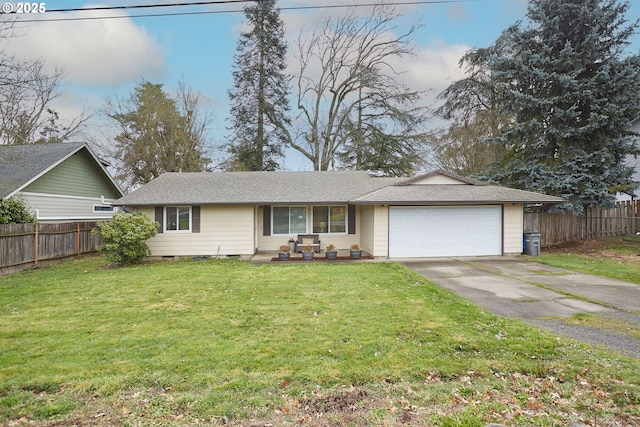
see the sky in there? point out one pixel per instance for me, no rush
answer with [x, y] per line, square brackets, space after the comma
[108, 55]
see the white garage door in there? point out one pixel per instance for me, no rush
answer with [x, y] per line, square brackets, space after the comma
[444, 231]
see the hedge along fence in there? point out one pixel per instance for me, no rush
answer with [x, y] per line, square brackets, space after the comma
[622, 219]
[25, 246]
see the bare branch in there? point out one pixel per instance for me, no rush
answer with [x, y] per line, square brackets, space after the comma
[343, 62]
[26, 94]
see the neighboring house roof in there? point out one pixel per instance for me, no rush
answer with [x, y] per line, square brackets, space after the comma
[634, 163]
[21, 165]
[262, 188]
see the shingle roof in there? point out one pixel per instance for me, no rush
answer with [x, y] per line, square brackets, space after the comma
[262, 188]
[452, 194]
[20, 164]
[436, 172]
[223, 188]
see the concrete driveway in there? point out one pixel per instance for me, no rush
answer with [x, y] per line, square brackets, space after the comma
[515, 287]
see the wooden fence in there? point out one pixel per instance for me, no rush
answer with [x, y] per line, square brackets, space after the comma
[620, 220]
[24, 246]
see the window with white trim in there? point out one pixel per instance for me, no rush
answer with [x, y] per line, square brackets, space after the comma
[330, 219]
[289, 219]
[103, 208]
[177, 219]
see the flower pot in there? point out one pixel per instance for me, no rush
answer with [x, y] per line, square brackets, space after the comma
[356, 254]
[307, 255]
[284, 256]
[331, 254]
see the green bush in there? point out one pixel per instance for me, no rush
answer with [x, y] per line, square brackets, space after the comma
[124, 237]
[15, 211]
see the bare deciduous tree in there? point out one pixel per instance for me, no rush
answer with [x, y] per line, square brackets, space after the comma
[26, 94]
[476, 112]
[348, 88]
[192, 106]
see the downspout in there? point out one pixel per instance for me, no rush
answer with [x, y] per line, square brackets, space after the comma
[256, 212]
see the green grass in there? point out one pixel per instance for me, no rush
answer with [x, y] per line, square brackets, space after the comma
[615, 269]
[622, 268]
[614, 326]
[178, 343]
[627, 269]
[633, 239]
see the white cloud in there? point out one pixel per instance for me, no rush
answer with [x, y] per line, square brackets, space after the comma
[99, 52]
[435, 66]
[432, 69]
[299, 20]
[458, 13]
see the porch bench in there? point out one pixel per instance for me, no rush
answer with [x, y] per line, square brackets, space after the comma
[312, 240]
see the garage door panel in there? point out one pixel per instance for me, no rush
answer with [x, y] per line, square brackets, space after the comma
[445, 231]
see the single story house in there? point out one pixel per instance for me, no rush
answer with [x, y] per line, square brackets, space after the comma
[239, 213]
[59, 182]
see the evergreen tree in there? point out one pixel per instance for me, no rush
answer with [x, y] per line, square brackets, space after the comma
[259, 93]
[155, 137]
[370, 146]
[573, 93]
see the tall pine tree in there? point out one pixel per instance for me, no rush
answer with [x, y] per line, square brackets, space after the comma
[573, 90]
[259, 93]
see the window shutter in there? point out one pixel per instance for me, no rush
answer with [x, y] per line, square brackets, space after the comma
[159, 218]
[195, 219]
[351, 214]
[266, 220]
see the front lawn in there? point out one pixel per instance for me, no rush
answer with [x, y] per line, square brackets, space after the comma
[226, 342]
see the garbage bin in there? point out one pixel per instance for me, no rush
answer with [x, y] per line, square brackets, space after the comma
[532, 243]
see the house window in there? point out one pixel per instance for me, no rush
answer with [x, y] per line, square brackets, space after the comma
[103, 208]
[177, 219]
[289, 219]
[329, 219]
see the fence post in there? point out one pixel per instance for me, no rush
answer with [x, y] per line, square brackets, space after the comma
[77, 239]
[36, 249]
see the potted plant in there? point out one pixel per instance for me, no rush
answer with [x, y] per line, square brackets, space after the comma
[307, 252]
[285, 253]
[331, 252]
[355, 251]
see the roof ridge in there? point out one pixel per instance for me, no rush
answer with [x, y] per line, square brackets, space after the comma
[470, 181]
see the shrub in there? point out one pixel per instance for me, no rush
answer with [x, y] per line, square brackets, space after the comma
[15, 211]
[124, 237]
